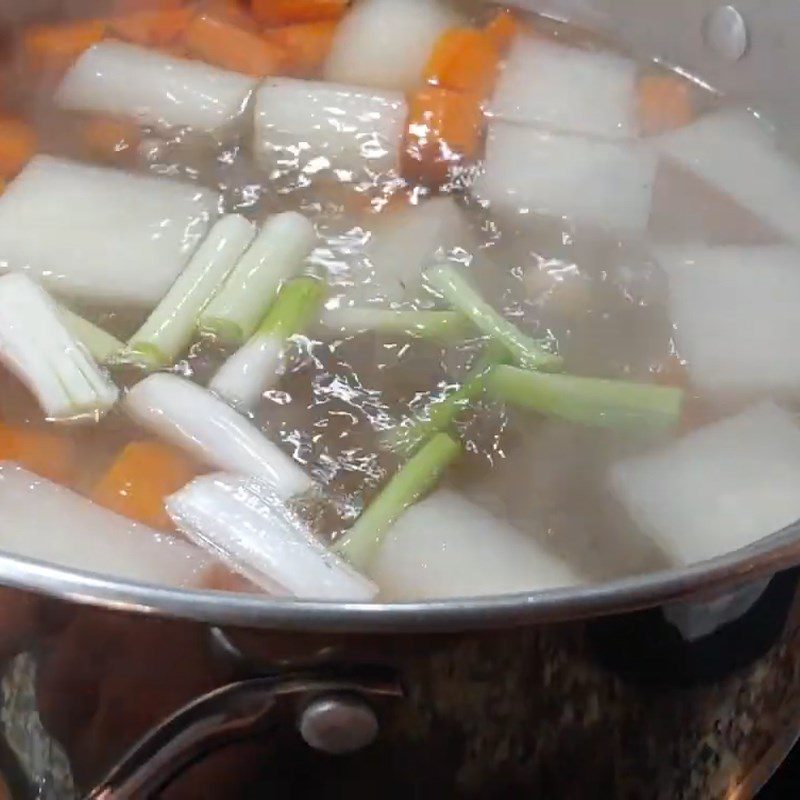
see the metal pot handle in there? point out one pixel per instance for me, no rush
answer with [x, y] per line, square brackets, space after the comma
[335, 718]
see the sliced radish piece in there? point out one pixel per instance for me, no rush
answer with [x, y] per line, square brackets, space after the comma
[46, 522]
[101, 235]
[736, 153]
[244, 523]
[312, 127]
[386, 43]
[718, 489]
[568, 89]
[153, 88]
[735, 309]
[446, 547]
[598, 183]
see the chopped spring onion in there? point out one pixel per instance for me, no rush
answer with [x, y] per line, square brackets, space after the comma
[102, 345]
[589, 401]
[242, 522]
[417, 477]
[443, 412]
[256, 367]
[37, 347]
[168, 330]
[190, 417]
[276, 255]
[47, 522]
[458, 291]
[422, 324]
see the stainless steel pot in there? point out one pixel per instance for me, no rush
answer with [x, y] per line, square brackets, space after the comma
[678, 684]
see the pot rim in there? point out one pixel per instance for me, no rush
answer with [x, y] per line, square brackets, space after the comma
[775, 553]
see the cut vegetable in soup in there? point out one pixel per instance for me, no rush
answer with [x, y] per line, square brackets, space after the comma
[98, 234]
[241, 521]
[386, 43]
[581, 91]
[49, 523]
[278, 253]
[606, 185]
[720, 488]
[736, 314]
[446, 546]
[311, 127]
[169, 329]
[101, 345]
[153, 88]
[186, 415]
[37, 347]
[737, 153]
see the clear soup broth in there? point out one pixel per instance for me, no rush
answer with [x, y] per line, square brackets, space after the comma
[498, 312]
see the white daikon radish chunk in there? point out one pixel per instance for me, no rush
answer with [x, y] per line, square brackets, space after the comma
[153, 88]
[446, 546]
[100, 234]
[241, 521]
[46, 522]
[548, 84]
[587, 181]
[718, 489]
[188, 416]
[736, 313]
[386, 43]
[737, 154]
[404, 244]
[36, 345]
[311, 127]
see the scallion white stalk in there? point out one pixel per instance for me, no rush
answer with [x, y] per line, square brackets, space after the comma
[458, 291]
[242, 522]
[190, 417]
[422, 324]
[101, 344]
[169, 329]
[277, 254]
[256, 367]
[37, 347]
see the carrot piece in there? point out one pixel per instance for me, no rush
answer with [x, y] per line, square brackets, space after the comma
[286, 12]
[131, 6]
[152, 28]
[664, 103]
[57, 46]
[502, 29]
[444, 129]
[464, 60]
[226, 45]
[51, 455]
[17, 146]
[306, 45]
[142, 477]
[109, 139]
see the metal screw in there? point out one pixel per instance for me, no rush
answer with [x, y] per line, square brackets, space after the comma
[725, 32]
[338, 724]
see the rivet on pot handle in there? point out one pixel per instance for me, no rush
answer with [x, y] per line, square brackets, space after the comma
[244, 710]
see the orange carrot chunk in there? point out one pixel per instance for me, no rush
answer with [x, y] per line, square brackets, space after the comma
[226, 45]
[464, 60]
[140, 480]
[57, 46]
[152, 28]
[502, 29]
[109, 139]
[306, 45]
[444, 130]
[17, 146]
[665, 103]
[51, 455]
[287, 12]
